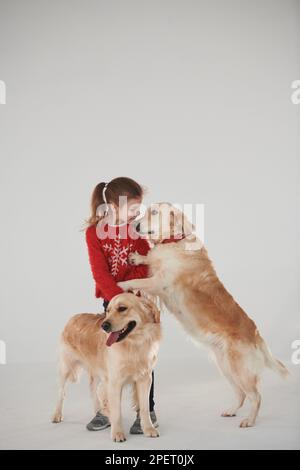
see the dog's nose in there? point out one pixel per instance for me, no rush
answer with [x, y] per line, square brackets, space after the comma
[106, 326]
[138, 227]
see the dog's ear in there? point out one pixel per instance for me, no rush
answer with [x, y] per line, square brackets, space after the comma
[180, 223]
[151, 308]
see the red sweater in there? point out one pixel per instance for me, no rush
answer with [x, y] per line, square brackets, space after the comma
[109, 259]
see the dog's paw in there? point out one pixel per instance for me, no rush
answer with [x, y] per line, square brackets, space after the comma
[134, 258]
[246, 423]
[228, 414]
[125, 285]
[118, 436]
[151, 432]
[57, 418]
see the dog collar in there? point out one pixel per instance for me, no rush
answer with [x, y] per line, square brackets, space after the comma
[173, 239]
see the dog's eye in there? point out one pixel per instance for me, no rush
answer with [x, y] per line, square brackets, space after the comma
[154, 212]
[122, 308]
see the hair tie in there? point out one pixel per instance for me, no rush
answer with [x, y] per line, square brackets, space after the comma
[104, 198]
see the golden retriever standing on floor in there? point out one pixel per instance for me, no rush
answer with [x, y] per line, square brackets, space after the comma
[184, 278]
[118, 348]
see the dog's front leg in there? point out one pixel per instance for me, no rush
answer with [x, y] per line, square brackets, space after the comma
[149, 284]
[115, 418]
[143, 389]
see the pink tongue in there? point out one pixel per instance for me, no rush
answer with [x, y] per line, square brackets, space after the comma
[113, 337]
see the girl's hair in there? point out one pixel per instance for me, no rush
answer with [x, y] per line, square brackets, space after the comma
[117, 187]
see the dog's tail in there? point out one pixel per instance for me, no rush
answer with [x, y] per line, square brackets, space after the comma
[272, 362]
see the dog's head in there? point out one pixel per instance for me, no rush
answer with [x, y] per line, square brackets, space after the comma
[163, 221]
[127, 315]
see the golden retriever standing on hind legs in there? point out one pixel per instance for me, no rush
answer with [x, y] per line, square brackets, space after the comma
[118, 348]
[184, 278]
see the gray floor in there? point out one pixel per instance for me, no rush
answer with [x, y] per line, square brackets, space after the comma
[190, 395]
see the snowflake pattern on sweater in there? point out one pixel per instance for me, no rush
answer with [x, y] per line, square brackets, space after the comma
[109, 260]
[117, 254]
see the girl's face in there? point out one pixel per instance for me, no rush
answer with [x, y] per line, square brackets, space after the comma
[127, 212]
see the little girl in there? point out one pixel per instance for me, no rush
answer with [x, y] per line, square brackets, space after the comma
[114, 206]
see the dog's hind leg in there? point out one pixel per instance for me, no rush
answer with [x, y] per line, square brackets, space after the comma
[68, 370]
[249, 384]
[245, 369]
[240, 399]
[240, 395]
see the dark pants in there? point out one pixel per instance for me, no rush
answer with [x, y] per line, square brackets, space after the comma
[151, 395]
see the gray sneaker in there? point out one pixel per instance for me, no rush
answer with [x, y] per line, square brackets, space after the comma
[136, 427]
[98, 422]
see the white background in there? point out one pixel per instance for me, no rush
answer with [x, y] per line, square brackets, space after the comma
[191, 99]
